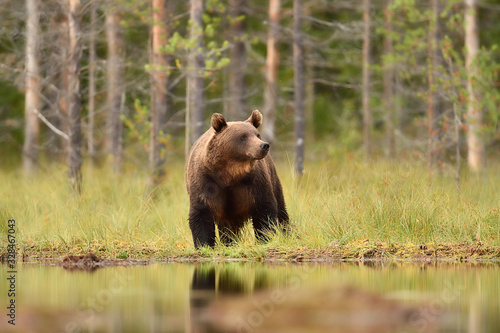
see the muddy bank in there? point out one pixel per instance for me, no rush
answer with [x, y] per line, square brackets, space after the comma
[91, 261]
[361, 250]
[369, 250]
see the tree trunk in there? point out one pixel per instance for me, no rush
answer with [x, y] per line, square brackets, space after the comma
[367, 113]
[62, 84]
[237, 64]
[74, 102]
[92, 85]
[32, 97]
[388, 82]
[54, 87]
[475, 140]
[160, 79]
[299, 88]
[196, 66]
[433, 99]
[115, 88]
[272, 63]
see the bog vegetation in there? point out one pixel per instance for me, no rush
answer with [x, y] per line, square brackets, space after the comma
[344, 208]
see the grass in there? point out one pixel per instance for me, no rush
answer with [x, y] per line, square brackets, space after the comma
[339, 209]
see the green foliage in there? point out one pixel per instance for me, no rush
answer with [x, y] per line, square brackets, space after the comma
[174, 42]
[139, 126]
[216, 6]
[338, 121]
[11, 109]
[138, 130]
[453, 74]
[181, 46]
[488, 84]
[411, 60]
[11, 115]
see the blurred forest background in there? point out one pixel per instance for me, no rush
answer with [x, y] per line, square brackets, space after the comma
[121, 82]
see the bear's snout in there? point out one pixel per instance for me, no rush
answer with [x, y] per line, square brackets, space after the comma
[259, 150]
[265, 146]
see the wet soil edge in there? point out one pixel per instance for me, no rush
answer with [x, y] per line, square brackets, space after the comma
[362, 251]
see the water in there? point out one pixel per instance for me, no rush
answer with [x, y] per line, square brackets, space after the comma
[255, 297]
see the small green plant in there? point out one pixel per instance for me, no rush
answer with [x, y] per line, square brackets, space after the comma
[123, 255]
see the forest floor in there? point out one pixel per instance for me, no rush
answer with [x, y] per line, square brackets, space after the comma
[342, 209]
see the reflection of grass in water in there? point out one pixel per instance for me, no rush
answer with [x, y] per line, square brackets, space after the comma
[139, 297]
[335, 203]
[445, 293]
[159, 294]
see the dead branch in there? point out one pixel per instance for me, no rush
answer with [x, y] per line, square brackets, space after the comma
[50, 125]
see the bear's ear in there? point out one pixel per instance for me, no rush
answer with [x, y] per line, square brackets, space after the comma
[255, 119]
[218, 122]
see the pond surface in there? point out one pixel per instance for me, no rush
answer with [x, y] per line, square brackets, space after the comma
[255, 297]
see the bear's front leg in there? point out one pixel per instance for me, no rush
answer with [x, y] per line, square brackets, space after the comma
[202, 225]
[264, 220]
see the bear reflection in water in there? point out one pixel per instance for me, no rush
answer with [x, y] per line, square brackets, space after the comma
[226, 299]
[212, 282]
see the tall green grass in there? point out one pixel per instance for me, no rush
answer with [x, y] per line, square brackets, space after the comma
[343, 202]
[335, 202]
[113, 213]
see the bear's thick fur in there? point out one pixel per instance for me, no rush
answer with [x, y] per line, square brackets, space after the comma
[231, 178]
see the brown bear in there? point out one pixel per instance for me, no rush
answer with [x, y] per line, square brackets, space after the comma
[231, 178]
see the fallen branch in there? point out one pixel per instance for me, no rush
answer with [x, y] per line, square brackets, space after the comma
[49, 124]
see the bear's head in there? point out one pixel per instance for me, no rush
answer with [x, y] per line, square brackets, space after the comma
[238, 141]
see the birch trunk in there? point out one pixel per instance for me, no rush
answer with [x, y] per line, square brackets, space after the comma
[56, 84]
[32, 97]
[475, 140]
[74, 103]
[299, 88]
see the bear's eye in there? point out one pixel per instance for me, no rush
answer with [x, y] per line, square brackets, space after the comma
[243, 137]
[258, 135]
